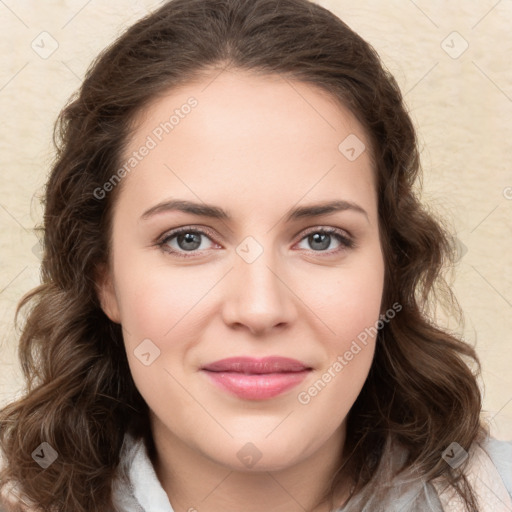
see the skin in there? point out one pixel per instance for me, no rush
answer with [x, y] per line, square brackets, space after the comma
[255, 146]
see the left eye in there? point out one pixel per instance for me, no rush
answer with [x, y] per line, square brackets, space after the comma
[320, 239]
[187, 240]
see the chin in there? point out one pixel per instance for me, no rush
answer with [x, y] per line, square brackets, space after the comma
[263, 454]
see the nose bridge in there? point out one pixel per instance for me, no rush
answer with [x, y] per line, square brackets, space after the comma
[258, 297]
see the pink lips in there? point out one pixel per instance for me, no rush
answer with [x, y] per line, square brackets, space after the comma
[256, 379]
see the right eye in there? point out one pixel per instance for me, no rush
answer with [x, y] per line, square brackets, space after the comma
[184, 240]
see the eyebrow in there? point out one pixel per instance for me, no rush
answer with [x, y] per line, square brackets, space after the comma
[215, 212]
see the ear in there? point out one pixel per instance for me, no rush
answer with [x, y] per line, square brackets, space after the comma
[106, 293]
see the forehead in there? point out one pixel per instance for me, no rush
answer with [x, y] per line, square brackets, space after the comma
[240, 136]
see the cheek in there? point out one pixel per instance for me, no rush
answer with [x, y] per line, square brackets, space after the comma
[162, 311]
[351, 312]
[349, 300]
[327, 400]
[156, 301]
[157, 307]
[349, 306]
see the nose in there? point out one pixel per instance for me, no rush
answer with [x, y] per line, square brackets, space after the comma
[259, 298]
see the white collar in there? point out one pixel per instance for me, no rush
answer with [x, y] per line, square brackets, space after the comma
[137, 488]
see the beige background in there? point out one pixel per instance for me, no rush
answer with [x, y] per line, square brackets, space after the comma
[461, 103]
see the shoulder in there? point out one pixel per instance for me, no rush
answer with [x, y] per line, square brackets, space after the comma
[13, 503]
[489, 471]
[500, 456]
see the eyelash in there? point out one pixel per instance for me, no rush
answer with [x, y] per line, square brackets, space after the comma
[346, 242]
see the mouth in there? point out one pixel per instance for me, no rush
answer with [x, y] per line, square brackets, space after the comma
[256, 379]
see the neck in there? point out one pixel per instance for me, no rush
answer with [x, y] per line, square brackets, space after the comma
[196, 483]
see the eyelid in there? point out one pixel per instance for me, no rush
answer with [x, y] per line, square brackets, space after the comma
[327, 229]
[176, 231]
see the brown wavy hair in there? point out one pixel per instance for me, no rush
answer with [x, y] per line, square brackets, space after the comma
[421, 392]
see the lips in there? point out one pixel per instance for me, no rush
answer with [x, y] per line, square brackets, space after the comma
[256, 379]
[250, 365]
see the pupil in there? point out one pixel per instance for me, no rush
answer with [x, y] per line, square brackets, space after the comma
[191, 241]
[321, 238]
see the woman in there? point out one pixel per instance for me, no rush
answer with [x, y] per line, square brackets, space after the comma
[237, 273]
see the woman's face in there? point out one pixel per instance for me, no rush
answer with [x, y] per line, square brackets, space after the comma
[263, 269]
